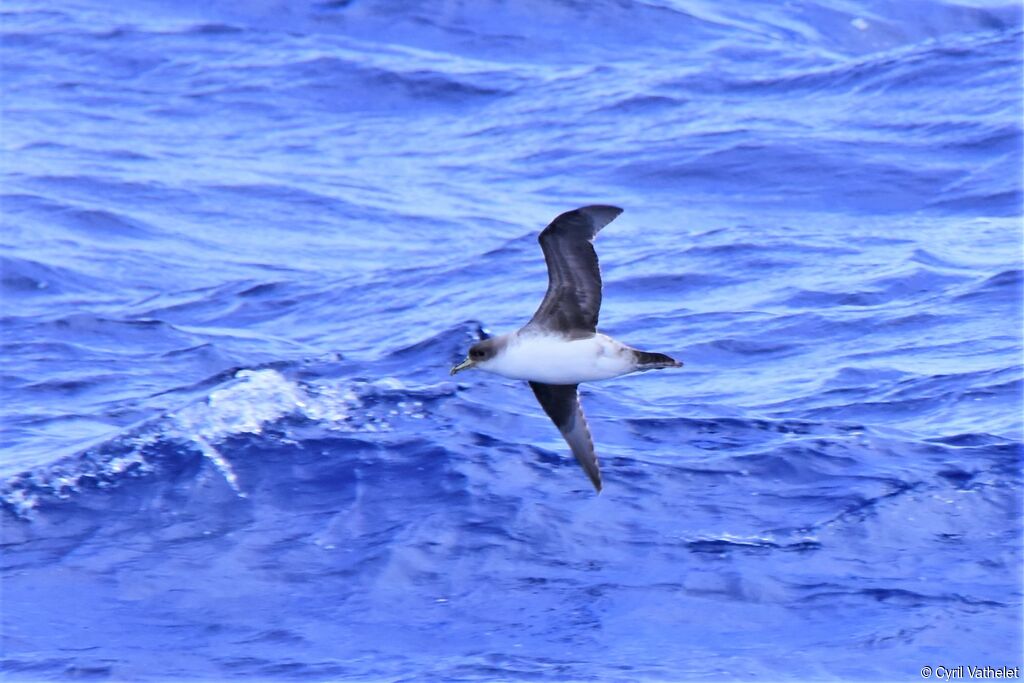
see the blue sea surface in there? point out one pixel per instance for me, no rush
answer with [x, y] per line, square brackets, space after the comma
[243, 244]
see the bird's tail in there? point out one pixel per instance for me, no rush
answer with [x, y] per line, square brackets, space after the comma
[654, 361]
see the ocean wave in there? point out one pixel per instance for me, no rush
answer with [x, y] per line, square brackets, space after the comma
[253, 402]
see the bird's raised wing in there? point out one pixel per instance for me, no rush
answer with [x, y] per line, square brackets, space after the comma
[562, 404]
[573, 300]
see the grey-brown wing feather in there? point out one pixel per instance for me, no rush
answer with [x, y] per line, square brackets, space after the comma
[561, 403]
[573, 299]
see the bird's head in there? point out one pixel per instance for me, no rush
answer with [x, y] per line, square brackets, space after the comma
[480, 354]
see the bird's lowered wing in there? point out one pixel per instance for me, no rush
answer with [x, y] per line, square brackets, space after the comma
[573, 299]
[562, 404]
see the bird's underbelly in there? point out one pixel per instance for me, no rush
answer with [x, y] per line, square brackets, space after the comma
[555, 360]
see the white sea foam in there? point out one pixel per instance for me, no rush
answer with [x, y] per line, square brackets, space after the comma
[256, 399]
[252, 402]
[243, 407]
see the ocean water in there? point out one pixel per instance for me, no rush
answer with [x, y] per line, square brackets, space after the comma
[243, 243]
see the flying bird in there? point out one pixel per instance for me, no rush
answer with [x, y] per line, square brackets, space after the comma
[560, 346]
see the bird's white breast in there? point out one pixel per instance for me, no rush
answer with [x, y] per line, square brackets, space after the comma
[553, 359]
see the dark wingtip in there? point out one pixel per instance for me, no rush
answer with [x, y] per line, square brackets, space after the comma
[603, 208]
[596, 215]
[592, 470]
[600, 214]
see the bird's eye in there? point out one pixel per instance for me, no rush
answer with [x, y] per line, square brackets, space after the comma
[476, 353]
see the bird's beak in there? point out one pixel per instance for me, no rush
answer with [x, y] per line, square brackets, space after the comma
[464, 365]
